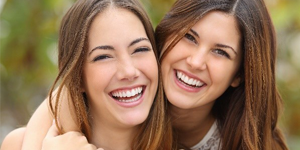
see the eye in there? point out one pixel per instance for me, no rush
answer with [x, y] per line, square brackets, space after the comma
[141, 49]
[190, 38]
[101, 57]
[221, 52]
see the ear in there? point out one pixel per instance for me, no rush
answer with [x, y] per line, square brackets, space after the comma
[236, 82]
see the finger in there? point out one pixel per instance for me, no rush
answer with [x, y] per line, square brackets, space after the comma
[100, 149]
[53, 131]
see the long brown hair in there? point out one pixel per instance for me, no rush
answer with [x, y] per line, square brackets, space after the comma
[155, 132]
[248, 114]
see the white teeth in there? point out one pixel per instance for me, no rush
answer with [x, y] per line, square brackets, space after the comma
[135, 93]
[187, 80]
[128, 93]
[190, 81]
[130, 100]
[194, 82]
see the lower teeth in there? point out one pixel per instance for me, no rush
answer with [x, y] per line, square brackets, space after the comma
[131, 100]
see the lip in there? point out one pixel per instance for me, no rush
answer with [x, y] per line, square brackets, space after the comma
[129, 104]
[184, 86]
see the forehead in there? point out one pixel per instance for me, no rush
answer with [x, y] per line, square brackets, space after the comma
[115, 26]
[219, 27]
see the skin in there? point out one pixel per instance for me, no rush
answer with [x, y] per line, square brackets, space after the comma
[210, 54]
[15, 136]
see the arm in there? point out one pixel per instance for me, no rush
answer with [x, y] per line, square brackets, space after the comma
[13, 141]
[37, 128]
[41, 121]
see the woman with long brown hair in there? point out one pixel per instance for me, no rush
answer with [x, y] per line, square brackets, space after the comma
[218, 69]
[108, 78]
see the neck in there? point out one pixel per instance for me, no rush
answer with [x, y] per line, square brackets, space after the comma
[111, 137]
[191, 125]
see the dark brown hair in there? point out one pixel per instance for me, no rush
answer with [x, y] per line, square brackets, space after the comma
[155, 132]
[248, 114]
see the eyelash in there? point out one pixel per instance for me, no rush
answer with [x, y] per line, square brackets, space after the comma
[190, 38]
[101, 57]
[141, 49]
[221, 52]
[138, 50]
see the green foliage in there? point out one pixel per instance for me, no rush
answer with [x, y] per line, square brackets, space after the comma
[28, 57]
[157, 8]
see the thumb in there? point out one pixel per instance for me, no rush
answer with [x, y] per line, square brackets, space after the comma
[53, 131]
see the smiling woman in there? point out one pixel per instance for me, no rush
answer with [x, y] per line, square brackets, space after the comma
[109, 72]
[218, 61]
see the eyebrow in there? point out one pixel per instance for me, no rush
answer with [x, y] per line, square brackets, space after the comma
[108, 47]
[138, 40]
[218, 45]
[226, 46]
[103, 47]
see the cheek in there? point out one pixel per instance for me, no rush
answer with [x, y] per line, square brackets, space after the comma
[163, 67]
[180, 52]
[149, 67]
[223, 73]
[169, 59]
[97, 77]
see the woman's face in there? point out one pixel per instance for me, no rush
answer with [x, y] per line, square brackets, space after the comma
[120, 72]
[204, 63]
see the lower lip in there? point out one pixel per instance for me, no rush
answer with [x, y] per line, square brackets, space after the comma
[131, 104]
[185, 87]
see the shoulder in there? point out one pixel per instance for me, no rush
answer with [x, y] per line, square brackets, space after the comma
[14, 140]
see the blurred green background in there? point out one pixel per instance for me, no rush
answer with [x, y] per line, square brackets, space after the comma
[28, 57]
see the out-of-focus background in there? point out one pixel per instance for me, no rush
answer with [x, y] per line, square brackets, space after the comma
[28, 57]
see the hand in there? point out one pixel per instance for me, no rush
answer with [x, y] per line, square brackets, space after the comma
[70, 140]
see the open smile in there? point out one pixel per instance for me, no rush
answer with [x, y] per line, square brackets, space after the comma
[188, 82]
[128, 95]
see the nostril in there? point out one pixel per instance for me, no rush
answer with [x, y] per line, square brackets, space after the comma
[131, 78]
[128, 73]
[196, 62]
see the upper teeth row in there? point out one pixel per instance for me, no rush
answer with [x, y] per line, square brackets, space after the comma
[188, 80]
[128, 93]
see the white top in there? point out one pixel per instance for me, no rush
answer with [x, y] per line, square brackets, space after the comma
[210, 141]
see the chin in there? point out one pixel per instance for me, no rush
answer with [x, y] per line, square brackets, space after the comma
[181, 102]
[134, 119]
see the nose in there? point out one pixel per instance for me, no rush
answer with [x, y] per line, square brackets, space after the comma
[197, 60]
[127, 70]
